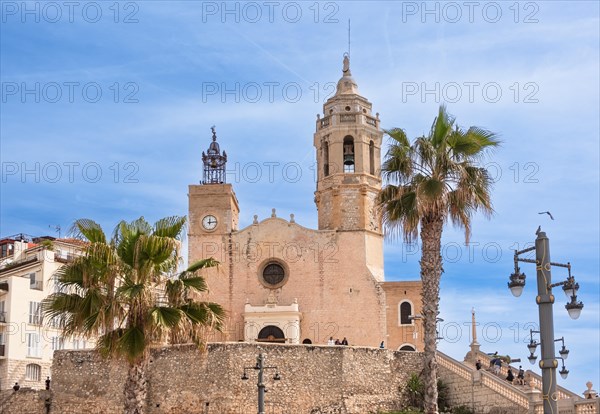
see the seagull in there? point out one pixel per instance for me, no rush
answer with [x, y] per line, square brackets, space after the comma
[547, 212]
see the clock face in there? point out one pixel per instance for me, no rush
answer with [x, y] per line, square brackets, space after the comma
[209, 222]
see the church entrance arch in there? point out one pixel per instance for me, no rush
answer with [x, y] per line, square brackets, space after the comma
[271, 333]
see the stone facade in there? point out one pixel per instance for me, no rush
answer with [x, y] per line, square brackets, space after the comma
[333, 277]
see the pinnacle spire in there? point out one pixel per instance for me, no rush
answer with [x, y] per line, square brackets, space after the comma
[346, 85]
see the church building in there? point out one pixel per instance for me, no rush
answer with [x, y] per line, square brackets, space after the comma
[282, 282]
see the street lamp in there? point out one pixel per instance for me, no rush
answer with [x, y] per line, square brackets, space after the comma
[545, 300]
[564, 352]
[260, 359]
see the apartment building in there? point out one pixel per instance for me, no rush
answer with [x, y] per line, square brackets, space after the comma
[27, 341]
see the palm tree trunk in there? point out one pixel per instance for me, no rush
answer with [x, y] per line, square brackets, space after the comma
[431, 272]
[136, 387]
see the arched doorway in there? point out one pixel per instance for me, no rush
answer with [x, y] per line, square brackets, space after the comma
[407, 348]
[271, 333]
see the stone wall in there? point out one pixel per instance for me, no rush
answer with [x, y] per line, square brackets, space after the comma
[25, 401]
[314, 379]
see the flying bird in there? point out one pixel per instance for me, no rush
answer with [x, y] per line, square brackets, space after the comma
[547, 212]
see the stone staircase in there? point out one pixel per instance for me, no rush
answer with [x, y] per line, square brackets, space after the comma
[486, 392]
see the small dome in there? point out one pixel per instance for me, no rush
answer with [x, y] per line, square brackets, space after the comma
[347, 86]
[214, 148]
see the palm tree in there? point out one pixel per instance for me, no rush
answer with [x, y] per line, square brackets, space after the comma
[435, 178]
[123, 292]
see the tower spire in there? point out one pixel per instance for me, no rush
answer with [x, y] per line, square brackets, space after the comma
[214, 162]
[473, 328]
[348, 37]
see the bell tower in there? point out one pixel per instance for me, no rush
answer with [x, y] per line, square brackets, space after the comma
[348, 143]
[213, 207]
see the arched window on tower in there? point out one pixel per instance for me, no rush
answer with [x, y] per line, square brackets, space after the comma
[405, 310]
[326, 158]
[348, 154]
[372, 158]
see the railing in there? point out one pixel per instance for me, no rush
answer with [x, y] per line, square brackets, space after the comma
[348, 118]
[454, 366]
[535, 379]
[588, 406]
[37, 285]
[488, 380]
[563, 394]
[18, 263]
[324, 123]
[63, 258]
[499, 386]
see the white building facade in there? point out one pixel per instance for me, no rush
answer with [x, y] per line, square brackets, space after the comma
[27, 340]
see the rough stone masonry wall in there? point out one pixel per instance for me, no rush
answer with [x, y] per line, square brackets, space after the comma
[25, 401]
[314, 380]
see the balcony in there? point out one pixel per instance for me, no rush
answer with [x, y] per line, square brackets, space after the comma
[17, 264]
[61, 257]
[37, 285]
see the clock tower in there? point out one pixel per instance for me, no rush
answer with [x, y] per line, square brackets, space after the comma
[213, 207]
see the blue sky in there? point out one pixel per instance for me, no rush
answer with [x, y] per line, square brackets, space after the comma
[105, 111]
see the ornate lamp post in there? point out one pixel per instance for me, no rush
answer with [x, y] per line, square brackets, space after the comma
[260, 359]
[545, 300]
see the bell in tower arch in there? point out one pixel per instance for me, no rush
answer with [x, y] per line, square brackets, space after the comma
[348, 154]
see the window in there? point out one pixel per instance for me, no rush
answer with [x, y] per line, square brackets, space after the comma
[405, 309]
[33, 284]
[348, 154]
[35, 313]
[57, 287]
[326, 158]
[2, 312]
[371, 158]
[273, 275]
[33, 344]
[58, 343]
[407, 347]
[56, 322]
[33, 372]
[75, 343]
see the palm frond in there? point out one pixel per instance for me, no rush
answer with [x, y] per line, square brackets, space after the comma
[171, 227]
[88, 229]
